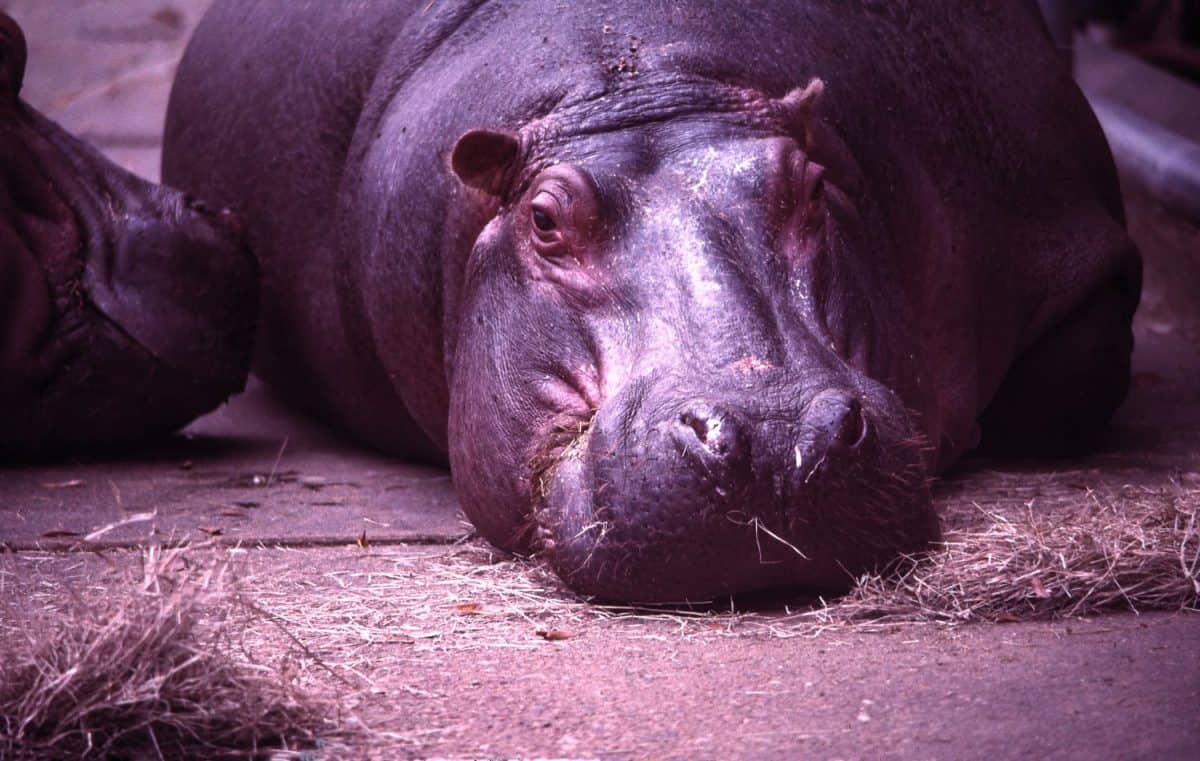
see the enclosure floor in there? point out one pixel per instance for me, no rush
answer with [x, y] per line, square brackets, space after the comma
[313, 514]
[439, 654]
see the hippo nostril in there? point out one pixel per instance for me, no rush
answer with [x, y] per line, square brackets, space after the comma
[851, 425]
[698, 426]
[838, 419]
[717, 432]
[706, 427]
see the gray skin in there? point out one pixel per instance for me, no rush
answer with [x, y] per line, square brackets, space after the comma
[126, 308]
[694, 297]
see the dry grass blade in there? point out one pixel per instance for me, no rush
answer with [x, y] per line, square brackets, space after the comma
[149, 671]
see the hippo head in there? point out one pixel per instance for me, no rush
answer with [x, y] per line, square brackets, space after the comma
[128, 307]
[674, 365]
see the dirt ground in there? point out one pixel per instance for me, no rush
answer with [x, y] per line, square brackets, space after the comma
[438, 648]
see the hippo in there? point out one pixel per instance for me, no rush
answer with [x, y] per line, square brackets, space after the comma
[695, 299]
[126, 308]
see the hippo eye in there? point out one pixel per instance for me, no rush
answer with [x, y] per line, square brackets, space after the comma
[561, 217]
[543, 221]
[544, 213]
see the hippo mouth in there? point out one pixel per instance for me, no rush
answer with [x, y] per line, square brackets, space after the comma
[707, 501]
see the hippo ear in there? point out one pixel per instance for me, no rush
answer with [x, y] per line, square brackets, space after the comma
[802, 105]
[484, 159]
[801, 101]
[819, 139]
[12, 57]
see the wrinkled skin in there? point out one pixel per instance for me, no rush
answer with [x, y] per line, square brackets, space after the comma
[126, 309]
[694, 298]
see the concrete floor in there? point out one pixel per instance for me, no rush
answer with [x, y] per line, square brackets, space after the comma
[1120, 686]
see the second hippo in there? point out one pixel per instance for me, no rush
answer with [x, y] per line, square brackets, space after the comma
[126, 308]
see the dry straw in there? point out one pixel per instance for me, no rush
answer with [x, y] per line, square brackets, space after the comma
[152, 670]
[1139, 552]
[1136, 550]
[167, 667]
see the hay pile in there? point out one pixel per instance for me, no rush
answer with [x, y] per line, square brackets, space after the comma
[1129, 549]
[166, 667]
[1134, 548]
[1138, 550]
[149, 670]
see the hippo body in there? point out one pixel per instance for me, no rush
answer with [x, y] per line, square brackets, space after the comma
[126, 308]
[693, 297]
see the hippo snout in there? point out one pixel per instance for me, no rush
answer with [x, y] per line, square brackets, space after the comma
[182, 282]
[688, 502]
[832, 424]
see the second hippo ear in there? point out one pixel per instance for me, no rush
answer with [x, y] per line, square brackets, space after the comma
[12, 57]
[484, 160]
